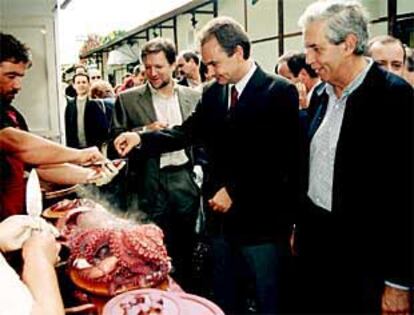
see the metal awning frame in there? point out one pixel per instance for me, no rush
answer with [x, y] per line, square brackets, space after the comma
[156, 26]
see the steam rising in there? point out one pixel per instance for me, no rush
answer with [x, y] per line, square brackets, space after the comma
[112, 198]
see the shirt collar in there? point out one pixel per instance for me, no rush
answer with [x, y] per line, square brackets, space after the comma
[243, 81]
[351, 87]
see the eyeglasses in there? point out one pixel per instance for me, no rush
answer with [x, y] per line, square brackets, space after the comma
[96, 77]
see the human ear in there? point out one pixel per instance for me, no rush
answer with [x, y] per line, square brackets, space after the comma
[350, 43]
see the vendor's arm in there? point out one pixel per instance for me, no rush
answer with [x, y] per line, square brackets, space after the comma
[66, 174]
[36, 150]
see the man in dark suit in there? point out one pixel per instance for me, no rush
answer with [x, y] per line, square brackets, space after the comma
[85, 121]
[355, 236]
[247, 137]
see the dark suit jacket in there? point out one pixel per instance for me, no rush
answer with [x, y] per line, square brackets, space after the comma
[95, 122]
[133, 110]
[372, 189]
[253, 152]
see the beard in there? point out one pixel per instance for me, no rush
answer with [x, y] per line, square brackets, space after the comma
[6, 99]
[162, 84]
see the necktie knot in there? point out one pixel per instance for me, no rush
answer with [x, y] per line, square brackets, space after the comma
[234, 96]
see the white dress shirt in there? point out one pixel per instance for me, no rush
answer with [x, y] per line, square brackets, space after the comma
[80, 109]
[243, 82]
[167, 110]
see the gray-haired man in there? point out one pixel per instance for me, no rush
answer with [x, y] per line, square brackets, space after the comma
[356, 228]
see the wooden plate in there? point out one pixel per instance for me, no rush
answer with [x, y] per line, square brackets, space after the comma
[51, 213]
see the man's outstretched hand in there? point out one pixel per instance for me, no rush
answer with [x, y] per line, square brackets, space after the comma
[126, 141]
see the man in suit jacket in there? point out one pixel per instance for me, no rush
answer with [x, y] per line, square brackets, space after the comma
[164, 184]
[247, 139]
[85, 121]
[355, 235]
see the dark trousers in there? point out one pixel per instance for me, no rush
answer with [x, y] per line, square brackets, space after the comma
[331, 277]
[247, 272]
[175, 210]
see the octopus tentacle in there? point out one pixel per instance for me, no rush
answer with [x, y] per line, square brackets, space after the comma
[110, 255]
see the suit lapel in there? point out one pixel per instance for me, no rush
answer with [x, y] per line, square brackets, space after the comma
[321, 104]
[253, 85]
[74, 114]
[145, 105]
[186, 106]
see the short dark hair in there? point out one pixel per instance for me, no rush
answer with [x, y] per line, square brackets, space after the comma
[190, 55]
[160, 44]
[296, 62]
[12, 50]
[80, 75]
[228, 33]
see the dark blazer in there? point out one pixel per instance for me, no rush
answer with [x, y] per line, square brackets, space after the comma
[253, 152]
[95, 122]
[372, 190]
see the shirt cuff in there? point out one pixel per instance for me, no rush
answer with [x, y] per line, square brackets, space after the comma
[397, 286]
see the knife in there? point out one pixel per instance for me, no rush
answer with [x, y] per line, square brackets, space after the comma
[33, 195]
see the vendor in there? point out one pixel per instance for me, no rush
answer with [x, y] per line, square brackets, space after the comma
[18, 148]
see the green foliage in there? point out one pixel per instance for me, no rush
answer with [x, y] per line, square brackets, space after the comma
[112, 36]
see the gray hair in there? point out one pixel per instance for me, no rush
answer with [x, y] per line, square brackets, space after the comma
[342, 18]
[228, 33]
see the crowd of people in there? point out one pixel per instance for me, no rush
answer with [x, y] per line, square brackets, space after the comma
[304, 177]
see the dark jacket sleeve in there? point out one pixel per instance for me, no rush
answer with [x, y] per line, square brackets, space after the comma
[96, 124]
[71, 125]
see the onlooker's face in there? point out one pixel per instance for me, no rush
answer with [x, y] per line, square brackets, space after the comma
[226, 69]
[81, 85]
[284, 71]
[159, 72]
[108, 91]
[390, 56]
[140, 77]
[324, 57]
[11, 75]
[184, 68]
[95, 76]
[125, 78]
[209, 74]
